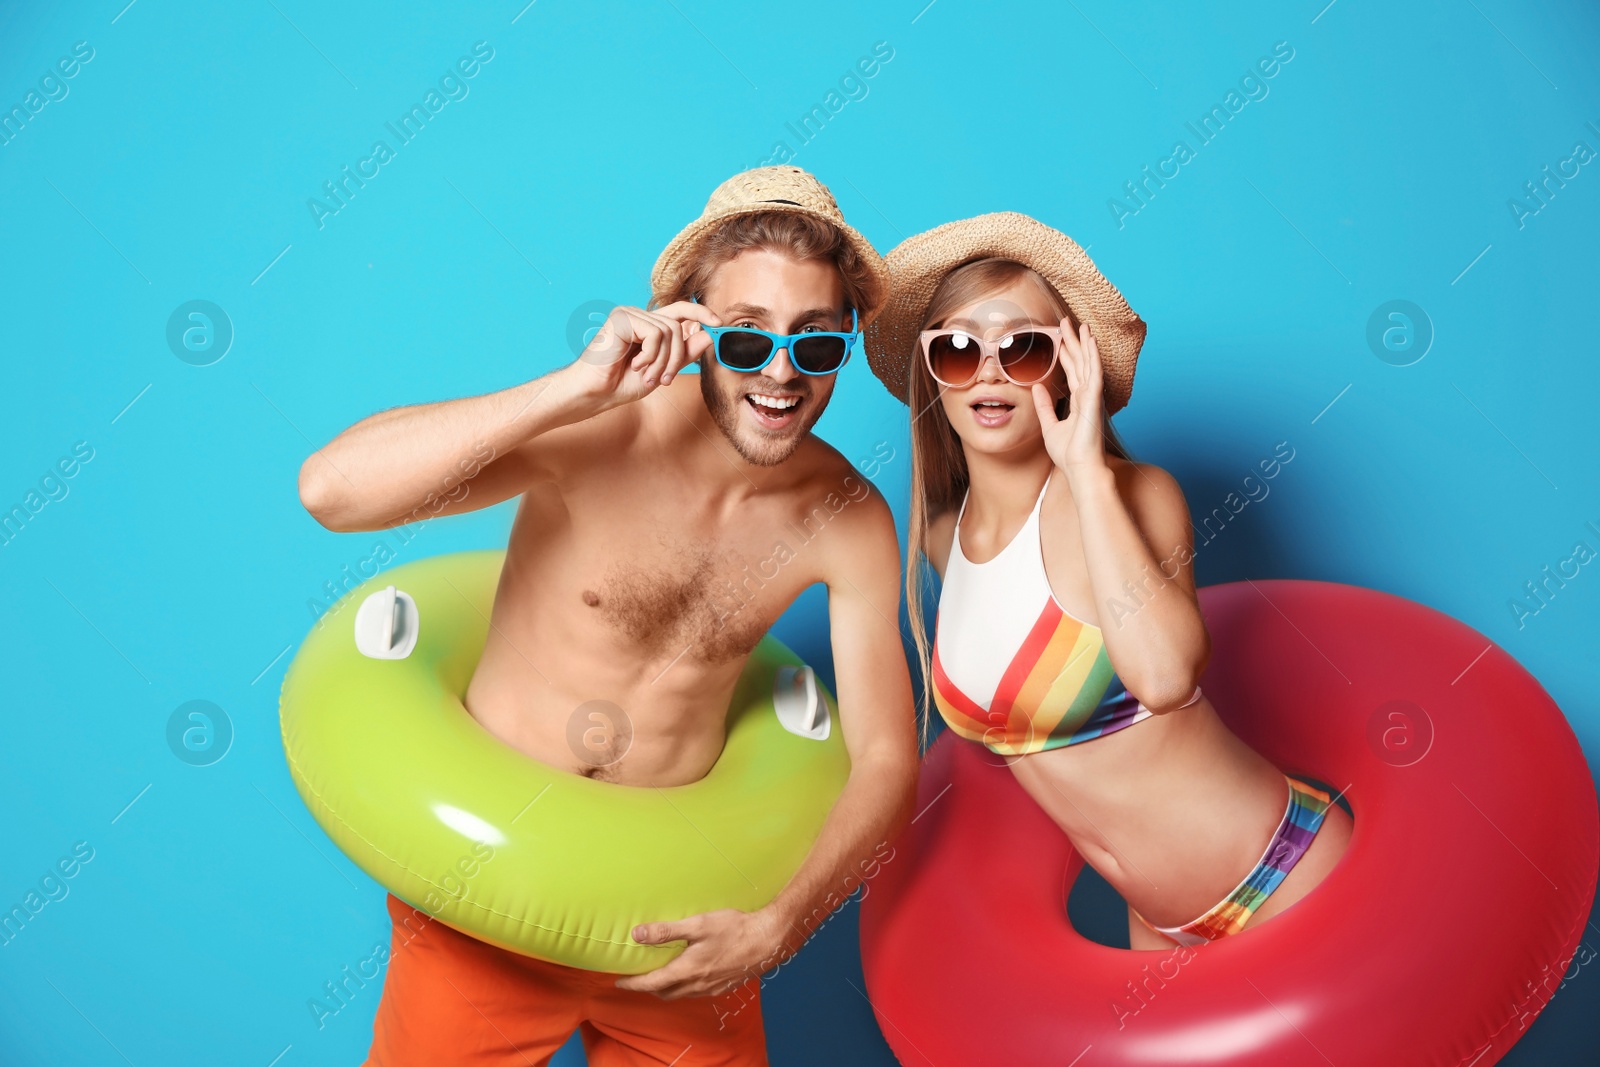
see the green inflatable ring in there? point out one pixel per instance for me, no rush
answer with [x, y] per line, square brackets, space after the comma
[516, 852]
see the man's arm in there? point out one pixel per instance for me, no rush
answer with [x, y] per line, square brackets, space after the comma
[878, 718]
[876, 714]
[392, 467]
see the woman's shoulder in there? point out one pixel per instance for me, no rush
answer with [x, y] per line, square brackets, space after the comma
[1152, 496]
[1136, 476]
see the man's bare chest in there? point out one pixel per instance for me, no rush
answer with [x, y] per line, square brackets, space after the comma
[707, 600]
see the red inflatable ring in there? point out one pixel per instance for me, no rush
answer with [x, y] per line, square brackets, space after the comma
[1440, 935]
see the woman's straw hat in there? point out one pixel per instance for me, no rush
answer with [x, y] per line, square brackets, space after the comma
[920, 263]
[782, 188]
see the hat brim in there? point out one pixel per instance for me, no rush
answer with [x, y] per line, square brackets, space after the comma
[920, 263]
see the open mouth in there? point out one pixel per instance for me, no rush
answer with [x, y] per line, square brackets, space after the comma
[991, 412]
[774, 410]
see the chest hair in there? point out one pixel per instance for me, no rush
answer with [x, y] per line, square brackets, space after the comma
[694, 604]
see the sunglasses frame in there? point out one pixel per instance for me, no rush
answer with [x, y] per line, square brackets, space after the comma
[987, 349]
[784, 341]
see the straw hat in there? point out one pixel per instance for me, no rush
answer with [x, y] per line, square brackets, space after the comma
[787, 189]
[920, 263]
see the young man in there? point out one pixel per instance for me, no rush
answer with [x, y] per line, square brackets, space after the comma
[654, 544]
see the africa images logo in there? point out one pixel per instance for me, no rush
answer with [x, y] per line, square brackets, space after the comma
[452, 87]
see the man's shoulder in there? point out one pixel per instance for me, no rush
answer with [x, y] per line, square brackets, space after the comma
[824, 469]
[833, 494]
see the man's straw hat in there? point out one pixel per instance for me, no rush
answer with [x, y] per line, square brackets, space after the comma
[920, 263]
[787, 189]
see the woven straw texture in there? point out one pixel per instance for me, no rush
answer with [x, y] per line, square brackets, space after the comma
[920, 263]
[770, 189]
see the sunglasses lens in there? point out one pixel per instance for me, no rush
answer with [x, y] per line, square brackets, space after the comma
[953, 358]
[1026, 357]
[743, 350]
[819, 355]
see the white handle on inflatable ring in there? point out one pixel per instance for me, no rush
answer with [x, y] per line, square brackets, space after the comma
[799, 704]
[387, 625]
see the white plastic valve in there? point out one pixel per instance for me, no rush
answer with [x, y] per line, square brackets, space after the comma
[799, 703]
[387, 625]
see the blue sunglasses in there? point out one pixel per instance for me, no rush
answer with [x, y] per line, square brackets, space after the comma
[747, 350]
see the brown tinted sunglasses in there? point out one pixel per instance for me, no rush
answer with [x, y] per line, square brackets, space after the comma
[1025, 355]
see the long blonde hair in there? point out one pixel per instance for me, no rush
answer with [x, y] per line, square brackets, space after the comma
[938, 464]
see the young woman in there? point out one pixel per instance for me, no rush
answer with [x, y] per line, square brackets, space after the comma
[1067, 613]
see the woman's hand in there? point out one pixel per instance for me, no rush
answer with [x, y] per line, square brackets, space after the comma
[1075, 443]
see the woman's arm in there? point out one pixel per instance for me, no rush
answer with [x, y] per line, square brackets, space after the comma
[1139, 556]
[1142, 572]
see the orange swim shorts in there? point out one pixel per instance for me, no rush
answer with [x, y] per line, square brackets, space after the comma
[452, 999]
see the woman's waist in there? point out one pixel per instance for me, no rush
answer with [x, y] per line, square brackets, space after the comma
[1146, 801]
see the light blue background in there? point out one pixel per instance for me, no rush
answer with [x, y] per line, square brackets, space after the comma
[180, 564]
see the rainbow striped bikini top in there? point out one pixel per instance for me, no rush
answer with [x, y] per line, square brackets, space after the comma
[1000, 633]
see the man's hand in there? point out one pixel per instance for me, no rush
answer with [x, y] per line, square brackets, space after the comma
[636, 351]
[727, 948]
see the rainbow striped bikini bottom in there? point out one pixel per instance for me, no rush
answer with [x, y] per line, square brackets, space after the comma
[1301, 819]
